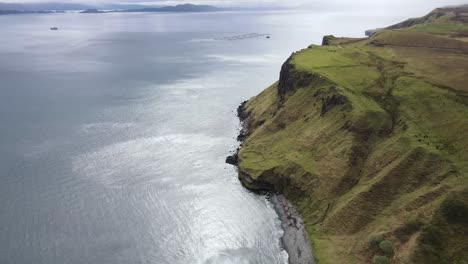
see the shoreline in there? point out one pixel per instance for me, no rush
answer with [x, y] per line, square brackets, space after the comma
[294, 239]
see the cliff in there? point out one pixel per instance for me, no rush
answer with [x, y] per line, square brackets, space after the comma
[369, 139]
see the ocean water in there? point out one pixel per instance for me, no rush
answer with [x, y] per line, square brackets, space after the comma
[114, 130]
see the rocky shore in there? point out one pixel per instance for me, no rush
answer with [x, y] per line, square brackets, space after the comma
[294, 239]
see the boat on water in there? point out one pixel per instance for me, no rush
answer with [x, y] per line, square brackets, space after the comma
[54, 28]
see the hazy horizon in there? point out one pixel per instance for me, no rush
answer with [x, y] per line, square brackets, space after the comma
[115, 131]
[388, 5]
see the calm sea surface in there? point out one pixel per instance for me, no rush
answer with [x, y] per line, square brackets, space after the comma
[114, 130]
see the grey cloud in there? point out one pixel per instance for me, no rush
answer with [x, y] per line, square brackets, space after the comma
[310, 4]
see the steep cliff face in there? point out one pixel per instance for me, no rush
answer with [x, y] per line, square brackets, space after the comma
[371, 144]
[291, 79]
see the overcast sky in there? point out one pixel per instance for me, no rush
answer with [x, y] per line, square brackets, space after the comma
[349, 4]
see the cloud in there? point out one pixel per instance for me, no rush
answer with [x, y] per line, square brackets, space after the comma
[310, 4]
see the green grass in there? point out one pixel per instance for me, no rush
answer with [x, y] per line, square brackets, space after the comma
[394, 148]
[436, 119]
[438, 28]
[351, 69]
[354, 71]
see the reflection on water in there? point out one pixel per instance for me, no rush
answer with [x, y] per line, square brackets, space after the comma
[114, 131]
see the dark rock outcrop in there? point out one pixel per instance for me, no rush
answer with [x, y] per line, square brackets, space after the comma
[233, 159]
[328, 102]
[326, 41]
[372, 32]
[241, 114]
[292, 79]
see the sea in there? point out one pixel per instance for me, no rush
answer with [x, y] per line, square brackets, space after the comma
[114, 131]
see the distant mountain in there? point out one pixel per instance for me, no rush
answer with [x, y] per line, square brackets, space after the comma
[122, 6]
[22, 12]
[177, 8]
[92, 11]
[37, 7]
[46, 8]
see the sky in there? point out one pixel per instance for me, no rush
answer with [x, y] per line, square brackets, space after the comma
[343, 4]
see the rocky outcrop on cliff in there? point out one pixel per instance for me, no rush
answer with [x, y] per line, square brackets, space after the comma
[291, 79]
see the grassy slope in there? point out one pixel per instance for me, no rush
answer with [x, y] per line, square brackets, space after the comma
[382, 156]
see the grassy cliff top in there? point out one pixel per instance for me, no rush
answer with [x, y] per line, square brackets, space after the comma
[369, 138]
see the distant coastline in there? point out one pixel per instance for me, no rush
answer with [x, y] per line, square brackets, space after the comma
[185, 8]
